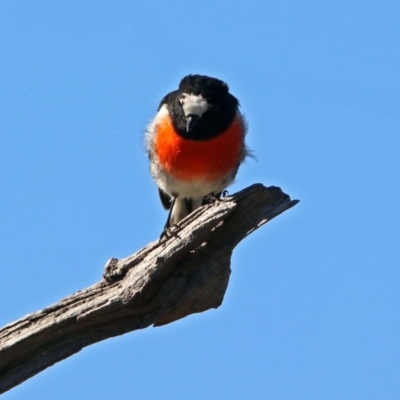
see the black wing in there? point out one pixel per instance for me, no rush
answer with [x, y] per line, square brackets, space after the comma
[167, 99]
[165, 199]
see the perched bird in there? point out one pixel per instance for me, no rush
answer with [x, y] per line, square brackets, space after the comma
[195, 144]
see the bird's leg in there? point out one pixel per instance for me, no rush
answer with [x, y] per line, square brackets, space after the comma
[212, 198]
[225, 193]
[167, 227]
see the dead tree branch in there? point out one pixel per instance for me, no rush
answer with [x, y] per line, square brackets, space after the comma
[183, 274]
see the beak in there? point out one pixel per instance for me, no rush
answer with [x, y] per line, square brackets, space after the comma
[191, 121]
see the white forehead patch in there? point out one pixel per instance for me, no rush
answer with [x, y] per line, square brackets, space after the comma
[193, 104]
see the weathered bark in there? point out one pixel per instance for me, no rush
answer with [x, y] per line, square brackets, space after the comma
[186, 273]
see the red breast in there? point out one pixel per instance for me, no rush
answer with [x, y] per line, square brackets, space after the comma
[199, 160]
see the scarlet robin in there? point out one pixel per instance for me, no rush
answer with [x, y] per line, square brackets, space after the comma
[195, 143]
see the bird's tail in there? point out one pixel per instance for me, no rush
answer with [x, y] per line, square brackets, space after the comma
[182, 207]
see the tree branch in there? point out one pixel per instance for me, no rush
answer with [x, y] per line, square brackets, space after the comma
[186, 273]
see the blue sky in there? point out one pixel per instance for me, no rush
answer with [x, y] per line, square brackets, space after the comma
[312, 309]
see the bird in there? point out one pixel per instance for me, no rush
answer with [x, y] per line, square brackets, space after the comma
[195, 145]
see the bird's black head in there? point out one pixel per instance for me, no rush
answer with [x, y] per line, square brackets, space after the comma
[202, 107]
